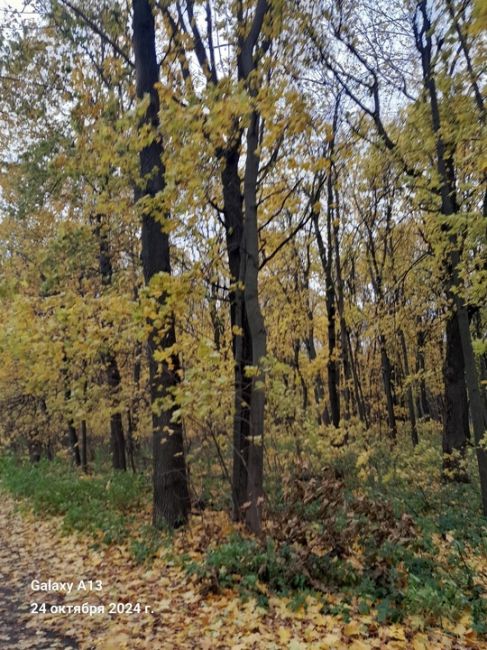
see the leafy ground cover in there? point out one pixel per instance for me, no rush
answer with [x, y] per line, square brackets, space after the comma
[355, 553]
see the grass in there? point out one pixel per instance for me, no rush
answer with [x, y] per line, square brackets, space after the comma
[102, 505]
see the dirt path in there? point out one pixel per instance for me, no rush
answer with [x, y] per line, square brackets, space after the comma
[18, 628]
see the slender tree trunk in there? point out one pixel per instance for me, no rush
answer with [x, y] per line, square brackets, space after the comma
[34, 447]
[422, 403]
[241, 337]
[84, 447]
[309, 343]
[299, 374]
[255, 487]
[133, 443]
[117, 438]
[345, 353]
[171, 502]
[130, 441]
[357, 384]
[216, 321]
[72, 435]
[242, 246]
[376, 275]
[74, 443]
[388, 390]
[409, 390]
[332, 367]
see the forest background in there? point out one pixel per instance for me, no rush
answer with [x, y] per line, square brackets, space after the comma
[243, 269]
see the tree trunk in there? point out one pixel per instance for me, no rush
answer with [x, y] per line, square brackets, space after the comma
[117, 439]
[376, 271]
[74, 443]
[477, 410]
[72, 435]
[456, 431]
[357, 385]
[309, 343]
[133, 444]
[422, 403]
[34, 447]
[332, 365]
[458, 339]
[84, 447]
[347, 371]
[241, 338]
[388, 390]
[255, 487]
[332, 368]
[130, 441]
[409, 391]
[171, 502]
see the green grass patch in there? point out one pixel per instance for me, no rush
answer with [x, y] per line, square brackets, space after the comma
[102, 505]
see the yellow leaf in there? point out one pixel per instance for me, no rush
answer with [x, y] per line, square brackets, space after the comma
[359, 645]
[116, 642]
[284, 634]
[420, 642]
[352, 629]
[397, 632]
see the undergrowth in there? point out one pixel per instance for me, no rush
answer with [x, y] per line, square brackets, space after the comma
[374, 525]
[102, 505]
[365, 527]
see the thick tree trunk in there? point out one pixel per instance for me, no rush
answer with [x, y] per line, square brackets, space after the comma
[171, 502]
[455, 431]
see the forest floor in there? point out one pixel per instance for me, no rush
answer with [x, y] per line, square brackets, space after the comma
[175, 612]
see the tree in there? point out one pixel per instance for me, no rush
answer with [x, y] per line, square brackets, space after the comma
[171, 502]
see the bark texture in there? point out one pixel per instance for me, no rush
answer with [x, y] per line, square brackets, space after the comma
[171, 502]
